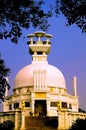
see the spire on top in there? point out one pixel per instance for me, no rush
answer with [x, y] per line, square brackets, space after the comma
[39, 45]
[39, 35]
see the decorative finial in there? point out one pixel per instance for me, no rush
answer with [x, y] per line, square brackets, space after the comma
[31, 38]
[39, 35]
[39, 47]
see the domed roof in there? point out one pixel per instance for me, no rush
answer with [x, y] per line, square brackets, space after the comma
[54, 76]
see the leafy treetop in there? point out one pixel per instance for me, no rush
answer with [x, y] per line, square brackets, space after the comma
[74, 11]
[16, 15]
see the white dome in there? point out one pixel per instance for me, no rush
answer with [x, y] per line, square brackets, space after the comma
[54, 76]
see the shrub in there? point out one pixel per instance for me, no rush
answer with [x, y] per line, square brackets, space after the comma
[7, 125]
[0, 126]
[79, 124]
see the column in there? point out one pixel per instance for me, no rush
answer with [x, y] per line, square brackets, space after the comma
[6, 91]
[60, 121]
[75, 85]
[17, 120]
[32, 107]
[70, 121]
[48, 107]
[23, 121]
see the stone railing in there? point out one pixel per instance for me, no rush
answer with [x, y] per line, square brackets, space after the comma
[14, 116]
[66, 118]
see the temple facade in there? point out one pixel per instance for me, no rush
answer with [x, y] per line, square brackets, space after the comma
[40, 88]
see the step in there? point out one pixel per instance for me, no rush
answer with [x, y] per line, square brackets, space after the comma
[40, 123]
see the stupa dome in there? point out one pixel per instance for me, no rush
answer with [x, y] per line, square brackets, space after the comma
[25, 77]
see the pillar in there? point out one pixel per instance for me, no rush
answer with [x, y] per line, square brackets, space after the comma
[23, 121]
[75, 85]
[6, 91]
[17, 120]
[32, 107]
[63, 120]
[60, 120]
[48, 107]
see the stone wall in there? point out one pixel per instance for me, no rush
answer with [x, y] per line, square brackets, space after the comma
[66, 118]
[7, 116]
[13, 116]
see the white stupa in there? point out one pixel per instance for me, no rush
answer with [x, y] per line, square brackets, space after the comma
[40, 87]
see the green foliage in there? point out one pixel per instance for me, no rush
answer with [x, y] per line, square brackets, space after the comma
[79, 124]
[7, 125]
[74, 11]
[3, 74]
[0, 126]
[18, 14]
[81, 110]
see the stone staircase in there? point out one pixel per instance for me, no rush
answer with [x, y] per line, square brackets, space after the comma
[40, 123]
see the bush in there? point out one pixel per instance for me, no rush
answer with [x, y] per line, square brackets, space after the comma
[7, 125]
[0, 126]
[79, 124]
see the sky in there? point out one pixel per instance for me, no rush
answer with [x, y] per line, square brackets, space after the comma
[68, 53]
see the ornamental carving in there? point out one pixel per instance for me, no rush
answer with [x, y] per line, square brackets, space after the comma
[40, 95]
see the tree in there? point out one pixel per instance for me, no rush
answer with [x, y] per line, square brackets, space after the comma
[74, 11]
[79, 124]
[3, 82]
[81, 110]
[16, 15]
